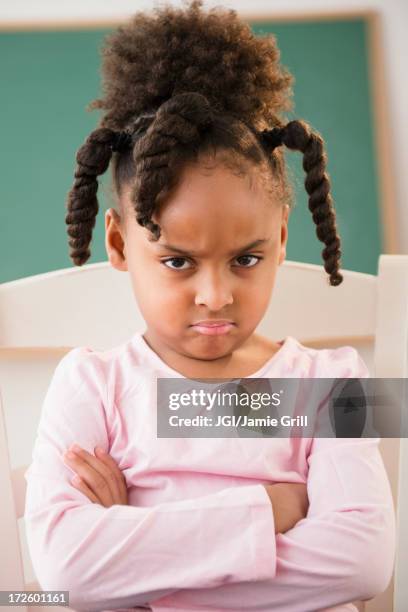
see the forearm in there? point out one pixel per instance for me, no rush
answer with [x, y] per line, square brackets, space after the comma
[320, 561]
[323, 560]
[124, 556]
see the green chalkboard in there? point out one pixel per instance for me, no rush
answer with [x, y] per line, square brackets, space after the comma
[49, 77]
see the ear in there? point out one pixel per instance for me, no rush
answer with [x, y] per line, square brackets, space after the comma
[114, 240]
[284, 233]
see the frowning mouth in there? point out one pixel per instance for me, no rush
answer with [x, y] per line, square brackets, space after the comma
[212, 328]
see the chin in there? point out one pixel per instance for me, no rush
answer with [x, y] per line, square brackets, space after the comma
[215, 346]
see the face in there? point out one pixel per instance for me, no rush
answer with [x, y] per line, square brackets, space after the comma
[202, 267]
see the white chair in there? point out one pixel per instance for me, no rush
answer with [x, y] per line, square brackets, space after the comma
[43, 316]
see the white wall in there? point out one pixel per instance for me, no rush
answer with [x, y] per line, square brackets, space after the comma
[395, 45]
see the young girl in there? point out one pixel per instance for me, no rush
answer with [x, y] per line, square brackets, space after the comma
[193, 126]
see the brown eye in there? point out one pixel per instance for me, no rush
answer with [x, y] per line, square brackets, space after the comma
[246, 257]
[177, 259]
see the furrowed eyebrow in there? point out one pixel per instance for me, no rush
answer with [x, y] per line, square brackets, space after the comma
[249, 246]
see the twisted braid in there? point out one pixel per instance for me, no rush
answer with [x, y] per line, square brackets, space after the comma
[172, 138]
[92, 159]
[297, 135]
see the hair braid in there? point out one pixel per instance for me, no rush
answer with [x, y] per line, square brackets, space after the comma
[92, 159]
[170, 139]
[297, 135]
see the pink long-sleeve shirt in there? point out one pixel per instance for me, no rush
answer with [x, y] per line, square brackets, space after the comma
[198, 530]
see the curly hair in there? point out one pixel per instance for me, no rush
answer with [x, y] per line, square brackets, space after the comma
[181, 83]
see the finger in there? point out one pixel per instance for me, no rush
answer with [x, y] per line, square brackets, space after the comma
[111, 463]
[92, 477]
[109, 475]
[79, 484]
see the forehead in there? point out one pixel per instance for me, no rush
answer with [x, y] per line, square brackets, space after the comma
[213, 208]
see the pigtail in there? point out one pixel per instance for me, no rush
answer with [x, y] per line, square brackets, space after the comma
[92, 158]
[297, 135]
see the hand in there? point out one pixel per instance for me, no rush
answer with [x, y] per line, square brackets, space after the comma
[99, 478]
[290, 504]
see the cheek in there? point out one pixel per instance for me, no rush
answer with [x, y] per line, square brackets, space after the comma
[257, 292]
[156, 291]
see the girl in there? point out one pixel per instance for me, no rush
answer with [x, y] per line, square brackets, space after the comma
[193, 126]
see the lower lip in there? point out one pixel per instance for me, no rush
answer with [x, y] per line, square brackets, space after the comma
[214, 330]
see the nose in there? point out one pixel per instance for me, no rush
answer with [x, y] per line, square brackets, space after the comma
[213, 291]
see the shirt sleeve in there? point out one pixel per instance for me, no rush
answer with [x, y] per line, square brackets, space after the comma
[342, 551]
[125, 556]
